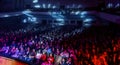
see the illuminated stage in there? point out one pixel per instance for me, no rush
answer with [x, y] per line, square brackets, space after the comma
[8, 61]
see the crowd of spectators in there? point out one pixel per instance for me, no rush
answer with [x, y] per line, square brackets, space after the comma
[69, 45]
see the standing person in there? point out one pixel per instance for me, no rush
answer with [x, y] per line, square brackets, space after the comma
[32, 55]
[69, 61]
[63, 62]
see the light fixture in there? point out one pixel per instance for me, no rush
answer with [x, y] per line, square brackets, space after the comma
[37, 6]
[35, 1]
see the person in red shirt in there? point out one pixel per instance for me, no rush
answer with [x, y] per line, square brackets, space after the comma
[43, 57]
[51, 59]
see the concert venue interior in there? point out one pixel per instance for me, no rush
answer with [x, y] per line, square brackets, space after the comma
[59, 32]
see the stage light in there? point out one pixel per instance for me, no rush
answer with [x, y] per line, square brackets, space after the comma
[26, 11]
[83, 13]
[29, 18]
[24, 21]
[44, 6]
[54, 7]
[110, 5]
[87, 20]
[37, 6]
[86, 25]
[72, 12]
[57, 17]
[35, 1]
[6, 15]
[78, 12]
[82, 16]
[118, 5]
[60, 19]
[61, 24]
[54, 13]
[49, 5]
[32, 19]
